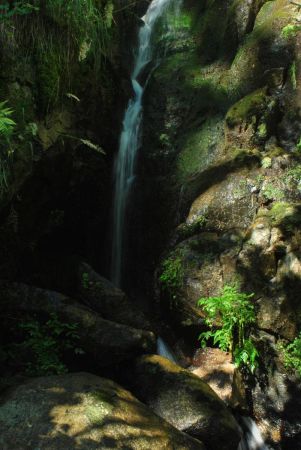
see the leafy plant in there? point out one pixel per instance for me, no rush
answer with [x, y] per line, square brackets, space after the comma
[229, 317]
[6, 123]
[46, 344]
[292, 354]
[247, 355]
[293, 175]
[272, 192]
[290, 30]
[172, 274]
[7, 126]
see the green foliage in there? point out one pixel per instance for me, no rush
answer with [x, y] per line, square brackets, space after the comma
[63, 38]
[187, 230]
[262, 131]
[290, 30]
[46, 343]
[293, 176]
[85, 280]
[7, 126]
[172, 274]
[292, 354]
[6, 123]
[83, 18]
[272, 192]
[299, 144]
[229, 316]
[266, 162]
[20, 8]
[246, 355]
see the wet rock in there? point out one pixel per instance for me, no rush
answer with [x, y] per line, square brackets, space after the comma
[105, 341]
[86, 412]
[185, 401]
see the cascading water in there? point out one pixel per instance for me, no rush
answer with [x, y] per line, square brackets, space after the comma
[252, 439]
[130, 136]
[164, 350]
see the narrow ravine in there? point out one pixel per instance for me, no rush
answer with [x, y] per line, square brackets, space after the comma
[130, 138]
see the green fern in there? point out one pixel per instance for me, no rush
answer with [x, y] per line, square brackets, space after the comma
[229, 317]
[6, 123]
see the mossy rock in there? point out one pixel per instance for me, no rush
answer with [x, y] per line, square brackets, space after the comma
[245, 109]
[263, 49]
[185, 401]
[199, 148]
[85, 412]
[285, 215]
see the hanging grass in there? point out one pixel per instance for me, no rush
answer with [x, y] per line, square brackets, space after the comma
[58, 35]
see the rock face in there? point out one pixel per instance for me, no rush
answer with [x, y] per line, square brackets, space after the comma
[221, 165]
[276, 399]
[105, 341]
[86, 412]
[185, 401]
[216, 368]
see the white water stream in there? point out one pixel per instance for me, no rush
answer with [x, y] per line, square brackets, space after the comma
[130, 137]
[164, 350]
[252, 439]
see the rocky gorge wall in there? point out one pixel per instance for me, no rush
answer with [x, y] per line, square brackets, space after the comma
[220, 173]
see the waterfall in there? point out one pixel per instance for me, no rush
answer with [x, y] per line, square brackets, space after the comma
[130, 137]
[252, 439]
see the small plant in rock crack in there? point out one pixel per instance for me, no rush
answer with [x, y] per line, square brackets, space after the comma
[172, 274]
[292, 354]
[85, 280]
[46, 343]
[229, 317]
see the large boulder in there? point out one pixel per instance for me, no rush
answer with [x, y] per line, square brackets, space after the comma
[107, 342]
[85, 412]
[185, 401]
[111, 302]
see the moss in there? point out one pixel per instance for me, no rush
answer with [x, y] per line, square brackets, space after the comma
[100, 404]
[290, 30]
[199, 148]
[215, 44]
[246, 108]
[262, 49]
[262, 131]
[184, 231]
[285, 215]
[274, 151]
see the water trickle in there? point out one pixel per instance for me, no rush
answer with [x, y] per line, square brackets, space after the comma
[130, 137]
[164, 350]
[252, 439]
